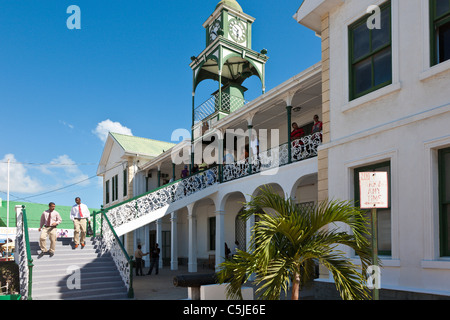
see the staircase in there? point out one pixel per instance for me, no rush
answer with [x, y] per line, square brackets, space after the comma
[74, 274]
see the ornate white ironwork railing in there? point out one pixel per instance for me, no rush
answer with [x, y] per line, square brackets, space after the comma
[148, 203]
[110, 243]
[306, 147]
[301, 149]
[22, 255]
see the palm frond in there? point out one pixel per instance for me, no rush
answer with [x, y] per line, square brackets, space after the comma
[288, 240]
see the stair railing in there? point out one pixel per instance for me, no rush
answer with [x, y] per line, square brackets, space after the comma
[149, 202]
[22, 255]
[111, 243]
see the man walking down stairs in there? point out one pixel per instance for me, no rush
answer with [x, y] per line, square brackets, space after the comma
[74, 273]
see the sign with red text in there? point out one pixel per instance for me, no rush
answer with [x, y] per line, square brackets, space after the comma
[373, 188]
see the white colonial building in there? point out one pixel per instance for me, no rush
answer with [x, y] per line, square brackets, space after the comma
[386, 80]
[193, 218]
[381, 91]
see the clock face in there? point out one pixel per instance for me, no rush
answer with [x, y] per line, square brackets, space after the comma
[237, 30]
[213, 30]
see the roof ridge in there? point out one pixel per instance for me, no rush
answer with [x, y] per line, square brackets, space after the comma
[137, 137]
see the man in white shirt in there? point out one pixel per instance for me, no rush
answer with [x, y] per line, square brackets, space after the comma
[254, 145]
[79, 214]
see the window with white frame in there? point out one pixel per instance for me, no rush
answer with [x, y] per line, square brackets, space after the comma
[384, 215]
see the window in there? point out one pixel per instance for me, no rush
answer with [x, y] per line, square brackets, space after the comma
[125, 183]
[165, 247]
[384, 215]
[107, 192]
[440, 31]
[444, 201]
[115, 185]
[370, 54]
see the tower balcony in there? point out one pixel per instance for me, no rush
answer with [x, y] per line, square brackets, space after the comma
[214, 109]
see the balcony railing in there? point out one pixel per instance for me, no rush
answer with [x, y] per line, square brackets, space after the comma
[229, 104]
[303, 148]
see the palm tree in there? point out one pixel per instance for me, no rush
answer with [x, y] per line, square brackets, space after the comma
[286, 244]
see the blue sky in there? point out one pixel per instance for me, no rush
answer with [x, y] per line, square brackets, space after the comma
[129, 64]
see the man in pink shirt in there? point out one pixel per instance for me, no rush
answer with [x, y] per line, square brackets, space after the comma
[49, 220]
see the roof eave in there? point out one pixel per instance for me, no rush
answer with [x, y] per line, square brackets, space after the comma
[311, 12]
[105, 155]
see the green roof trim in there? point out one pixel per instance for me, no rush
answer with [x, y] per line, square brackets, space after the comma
[34, 212]
[142, 146]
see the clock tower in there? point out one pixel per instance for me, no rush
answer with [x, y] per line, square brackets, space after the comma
[229, 59]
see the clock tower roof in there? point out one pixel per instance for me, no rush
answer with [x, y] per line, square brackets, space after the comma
[230, 3]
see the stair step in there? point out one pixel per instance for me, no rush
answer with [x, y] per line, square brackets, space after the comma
[100, 293]
[70, 259]
[98, 280]
[110, 285]
[99, 277]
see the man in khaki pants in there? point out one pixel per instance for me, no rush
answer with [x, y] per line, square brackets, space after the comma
[79, 214]
[49, 220]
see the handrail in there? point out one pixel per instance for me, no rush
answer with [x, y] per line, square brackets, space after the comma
[110, 242]
[24, 251]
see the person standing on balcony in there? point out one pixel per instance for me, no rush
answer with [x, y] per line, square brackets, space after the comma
[185, 172]
[254, 145]
[79, 214]
[317, 127]
[228, 158]
[297, 144]
[297, 132]
[49, 220]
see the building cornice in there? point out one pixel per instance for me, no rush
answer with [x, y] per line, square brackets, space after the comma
[311, 12]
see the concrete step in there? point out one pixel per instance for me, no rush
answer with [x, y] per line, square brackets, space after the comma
[99, 277]
[103, 293]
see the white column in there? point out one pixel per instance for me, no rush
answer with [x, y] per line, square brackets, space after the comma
[147, 244]
[249, 226]
[192, 262]
[248, 232]
[159, 240]
[173, 241]
[220, 237]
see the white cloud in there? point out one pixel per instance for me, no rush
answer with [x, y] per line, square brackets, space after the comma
[106, 126]
[71, 126]
[20, 180]
[71, 173]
